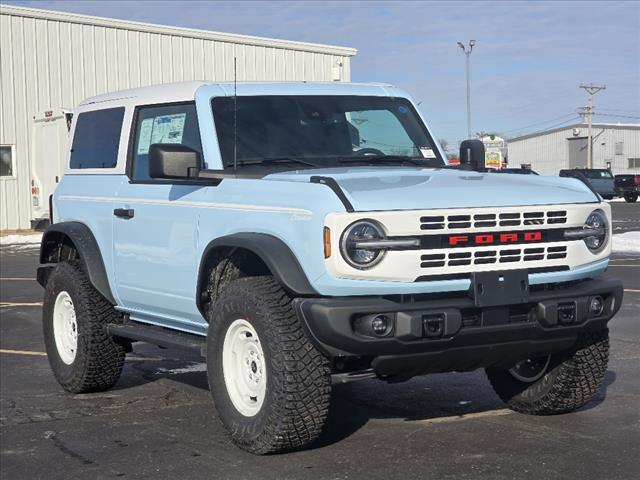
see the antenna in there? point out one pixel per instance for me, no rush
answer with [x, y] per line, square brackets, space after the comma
[235, 114]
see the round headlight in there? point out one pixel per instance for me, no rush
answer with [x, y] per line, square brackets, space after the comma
[360, 232]
[597, 222]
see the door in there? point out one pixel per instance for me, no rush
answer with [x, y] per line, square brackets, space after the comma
[577, 152]
[50, 140]
[156, 225]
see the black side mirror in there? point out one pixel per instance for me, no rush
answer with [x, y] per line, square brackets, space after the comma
[472, 155]
[172, 160]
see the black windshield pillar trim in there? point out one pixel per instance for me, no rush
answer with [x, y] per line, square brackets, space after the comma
[333, 185]
[580, 176]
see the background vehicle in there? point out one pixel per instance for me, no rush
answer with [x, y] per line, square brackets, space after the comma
[600, 179]
[519, 171]
[50, 141]
[301, 234]
[627, 186]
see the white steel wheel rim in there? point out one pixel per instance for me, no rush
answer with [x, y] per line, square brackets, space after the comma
[65, 327]
[244, 368]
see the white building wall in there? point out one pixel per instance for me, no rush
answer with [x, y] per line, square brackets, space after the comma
[52, 60]
[548, 153]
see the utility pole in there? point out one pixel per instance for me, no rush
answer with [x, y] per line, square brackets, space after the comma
[468, 53]
[591, 89]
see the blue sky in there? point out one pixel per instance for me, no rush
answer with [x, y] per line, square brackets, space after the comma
[529, 58]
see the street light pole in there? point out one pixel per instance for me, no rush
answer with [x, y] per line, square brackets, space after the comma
[468, 54]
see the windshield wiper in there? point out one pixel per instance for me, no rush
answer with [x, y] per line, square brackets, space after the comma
[268, 161]
[385, 158]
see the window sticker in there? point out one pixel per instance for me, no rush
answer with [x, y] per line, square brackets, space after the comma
[163, 129]
[427, 152]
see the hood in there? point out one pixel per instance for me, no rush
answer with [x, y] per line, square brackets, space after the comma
[394, 188]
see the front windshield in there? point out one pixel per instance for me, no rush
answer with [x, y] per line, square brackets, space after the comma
[594, 173]
[322, 130]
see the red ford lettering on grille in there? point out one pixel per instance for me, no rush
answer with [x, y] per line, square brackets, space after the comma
[494, 238]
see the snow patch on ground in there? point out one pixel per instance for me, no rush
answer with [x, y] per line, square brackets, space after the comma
[30, 239]
[618, 199]
[626, 242]
[194, 367]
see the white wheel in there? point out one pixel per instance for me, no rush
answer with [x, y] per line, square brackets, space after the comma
[244, 368]
[65, 327]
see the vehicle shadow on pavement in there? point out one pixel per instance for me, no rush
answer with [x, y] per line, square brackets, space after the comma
[436, 397]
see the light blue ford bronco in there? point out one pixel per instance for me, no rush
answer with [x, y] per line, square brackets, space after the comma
[305, 234]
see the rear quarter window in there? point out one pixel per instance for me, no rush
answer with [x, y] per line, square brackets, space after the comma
[97, 138]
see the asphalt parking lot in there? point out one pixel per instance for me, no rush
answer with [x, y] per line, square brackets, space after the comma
[158, 422]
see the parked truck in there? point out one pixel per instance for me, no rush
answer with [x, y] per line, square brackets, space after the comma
[303, 234]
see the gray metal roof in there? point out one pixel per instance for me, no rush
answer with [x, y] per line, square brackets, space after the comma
[621, 126]
[177, 31]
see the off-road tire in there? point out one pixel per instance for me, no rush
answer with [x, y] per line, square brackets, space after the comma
[630, 197]
[571, 379]
[298, 384]
[99, 356]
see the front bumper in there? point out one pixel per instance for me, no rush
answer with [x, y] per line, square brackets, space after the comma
[620, 191]
[470, 335]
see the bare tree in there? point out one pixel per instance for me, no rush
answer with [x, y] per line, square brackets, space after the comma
[444, 143]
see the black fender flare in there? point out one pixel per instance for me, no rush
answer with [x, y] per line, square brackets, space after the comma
[277, 256]
[87, 247]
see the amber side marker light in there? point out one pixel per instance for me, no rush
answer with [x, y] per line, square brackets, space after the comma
[327, 242]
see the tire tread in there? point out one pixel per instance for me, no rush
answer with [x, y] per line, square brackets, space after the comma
[576, 378]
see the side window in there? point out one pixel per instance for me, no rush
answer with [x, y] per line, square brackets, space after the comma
[163, 124]
[381, 130]
[97, 138]
[6, 161]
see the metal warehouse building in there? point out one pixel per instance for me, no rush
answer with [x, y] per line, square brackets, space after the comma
[615, 146]
[50, 61]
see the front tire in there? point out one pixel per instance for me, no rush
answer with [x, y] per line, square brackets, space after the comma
[270, 385]
[559, 383]
[82, 355]
[630, 197]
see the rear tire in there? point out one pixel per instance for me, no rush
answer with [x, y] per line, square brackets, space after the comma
[82, 355]
[270, 385]
[569, 380]
[630, 197]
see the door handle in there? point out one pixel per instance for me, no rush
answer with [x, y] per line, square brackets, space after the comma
[123, 212]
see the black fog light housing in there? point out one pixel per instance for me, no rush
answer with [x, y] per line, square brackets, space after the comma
[596, 306]
[377, 325]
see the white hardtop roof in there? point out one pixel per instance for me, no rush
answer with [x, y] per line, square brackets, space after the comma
[185, 91]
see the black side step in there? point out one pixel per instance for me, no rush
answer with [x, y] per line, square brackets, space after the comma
[160, 336]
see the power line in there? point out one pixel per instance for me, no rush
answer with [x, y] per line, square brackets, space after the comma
[539, 123]
[602, 114]
[554, 126]
[620, 110]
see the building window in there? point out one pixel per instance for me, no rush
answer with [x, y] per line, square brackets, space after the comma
[619, 148]
[634, 162]
[7, 168]
[97, 138]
